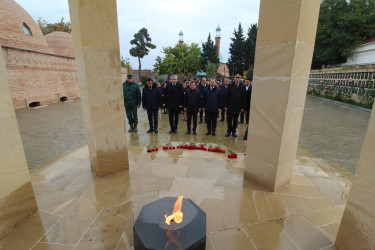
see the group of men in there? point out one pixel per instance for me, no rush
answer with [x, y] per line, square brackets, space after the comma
[232, 99]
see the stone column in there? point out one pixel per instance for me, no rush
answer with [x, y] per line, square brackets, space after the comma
[96, 43]
[284, 49]
[17, 199]
[357, 228]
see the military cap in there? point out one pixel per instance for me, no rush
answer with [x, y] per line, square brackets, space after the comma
[129, 76]
[238, 75]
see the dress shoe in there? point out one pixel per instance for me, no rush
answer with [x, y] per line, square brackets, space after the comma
[200, 122]
[156, 131]
[227, 134]
[171, 131]
[214, 133]
[175, 131]
[234, 134]
[240, 122]
[194, 132]
[131, 128]
[150, 130]
[208, 133]
[135, 128]
[222, 120]
[188, 132]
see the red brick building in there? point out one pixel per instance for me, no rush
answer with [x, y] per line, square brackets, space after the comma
[41, 69]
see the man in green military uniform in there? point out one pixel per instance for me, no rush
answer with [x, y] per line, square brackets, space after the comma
[132, 101]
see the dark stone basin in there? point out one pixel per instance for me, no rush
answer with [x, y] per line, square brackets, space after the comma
[151, 232]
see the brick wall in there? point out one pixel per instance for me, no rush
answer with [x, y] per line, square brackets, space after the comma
[38, 77]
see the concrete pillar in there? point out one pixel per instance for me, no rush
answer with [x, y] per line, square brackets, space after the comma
[357, 228]
[96, 43]
[285, 44]
[17, 199]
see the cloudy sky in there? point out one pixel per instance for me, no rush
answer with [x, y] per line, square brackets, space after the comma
[164, 19]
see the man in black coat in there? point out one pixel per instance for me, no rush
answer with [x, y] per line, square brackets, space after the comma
[248, 86]
[151, 101]
[192, 104]
[202, 86]
[213, 101]
[234, 104]
[173, 99]
[224, 89]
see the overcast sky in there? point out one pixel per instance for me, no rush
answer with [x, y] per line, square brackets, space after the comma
[164, 19]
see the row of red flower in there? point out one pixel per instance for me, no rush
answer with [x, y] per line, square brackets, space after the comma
[194, 147]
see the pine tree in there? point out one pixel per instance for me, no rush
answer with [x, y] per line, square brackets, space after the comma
[209, 53]
[250, 46]
[236, 61]
[142, 42]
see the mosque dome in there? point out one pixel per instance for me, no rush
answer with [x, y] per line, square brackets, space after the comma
[61, 43]
[18, 29]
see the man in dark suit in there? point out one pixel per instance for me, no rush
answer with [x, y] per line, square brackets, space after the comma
[248, 86]
[224, 88]
[213, 102]
[173, 99]
[192, 104]
[202, 86]
[234, 104]
[151, 101]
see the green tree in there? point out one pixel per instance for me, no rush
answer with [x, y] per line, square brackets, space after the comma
[250, 45]
[211, 69]
[125, 63]
[142, 42]
[183, 59]
[236, 61]
[209, 52]
[342, 26]
[47, 28]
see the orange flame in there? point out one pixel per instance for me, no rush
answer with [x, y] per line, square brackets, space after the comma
[173, 240]
[177, 213]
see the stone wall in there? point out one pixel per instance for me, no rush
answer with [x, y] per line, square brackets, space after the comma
[352, 84]
[39, 77]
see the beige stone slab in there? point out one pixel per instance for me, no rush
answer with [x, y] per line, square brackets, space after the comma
[70, 228]
[30, 231]
[301, 180]
[61, 204]
[303, 234]
[269, 236]
[331, 230]
[318, 203]
[366, 159]
[306, 191]
[142, 199]
[335, 189]
[125, 210]
[140, 165]
[240, 207]
[231, 239]
[191, 185]
[263, 207]
[278, 24]
[205, 173]
[169, 170]
[164, 183]
[352, 229]
[278, 205]
[238, 182]
[297, 204]
[137, 175]
[325, 216]
[49, 246]
[214, 211]
[284, 172]
[274, 60]
[260, 172]
[216, 192]
[104, 232]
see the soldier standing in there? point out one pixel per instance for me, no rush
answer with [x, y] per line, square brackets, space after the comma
[132, 101]
[234, 104]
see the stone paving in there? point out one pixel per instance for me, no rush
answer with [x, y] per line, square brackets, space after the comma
[332, 132]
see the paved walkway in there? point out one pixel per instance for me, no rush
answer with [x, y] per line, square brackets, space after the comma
[332, 132]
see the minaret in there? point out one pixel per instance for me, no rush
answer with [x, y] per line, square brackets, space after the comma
[217, 40]
[181, 35]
